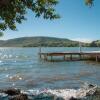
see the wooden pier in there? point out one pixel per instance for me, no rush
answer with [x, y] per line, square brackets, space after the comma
[71, 56]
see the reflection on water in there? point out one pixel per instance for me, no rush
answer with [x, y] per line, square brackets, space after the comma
[20, 67]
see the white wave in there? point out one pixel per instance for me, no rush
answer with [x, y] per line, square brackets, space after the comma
[66, 94]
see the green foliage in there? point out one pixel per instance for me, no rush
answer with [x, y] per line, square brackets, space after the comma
[95, 43]
[13, 11]
[89, 2]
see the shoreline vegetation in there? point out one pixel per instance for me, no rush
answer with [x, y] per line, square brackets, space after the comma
[45, 42]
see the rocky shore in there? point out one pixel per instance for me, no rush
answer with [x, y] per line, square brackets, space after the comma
[87, 92]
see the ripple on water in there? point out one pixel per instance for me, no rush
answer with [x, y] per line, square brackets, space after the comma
[21, 67]
[14, 78]
[1, 62]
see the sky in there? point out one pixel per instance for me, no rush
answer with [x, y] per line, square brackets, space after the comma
[77, 22]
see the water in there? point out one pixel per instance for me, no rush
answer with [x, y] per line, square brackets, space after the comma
[21, 68]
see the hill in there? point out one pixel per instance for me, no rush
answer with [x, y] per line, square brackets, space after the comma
[95, 43]
[38, 41]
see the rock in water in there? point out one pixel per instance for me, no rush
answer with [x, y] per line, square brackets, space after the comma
[48, 94]
[11, 92]
[19, 97]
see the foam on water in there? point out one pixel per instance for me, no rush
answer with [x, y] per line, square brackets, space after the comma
[66, 94]
[63, 94]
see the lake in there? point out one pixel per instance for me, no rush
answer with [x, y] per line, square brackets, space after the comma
[22, 68]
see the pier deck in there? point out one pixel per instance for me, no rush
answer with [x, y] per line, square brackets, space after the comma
[71, 55]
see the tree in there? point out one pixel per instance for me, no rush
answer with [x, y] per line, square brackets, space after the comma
[89, 2]
[13, 11]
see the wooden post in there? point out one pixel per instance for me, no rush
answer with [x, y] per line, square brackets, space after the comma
[40, 56]
[51, 58]
[40, 49]
[80, 47]
[71, 57]
[80, 56]
[45, 57]
[64, 57]
[96, 58]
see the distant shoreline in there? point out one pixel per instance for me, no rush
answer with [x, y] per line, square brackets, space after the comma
[45, 42]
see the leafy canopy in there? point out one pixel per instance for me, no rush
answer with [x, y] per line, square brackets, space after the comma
[89, 2]
[13, 11]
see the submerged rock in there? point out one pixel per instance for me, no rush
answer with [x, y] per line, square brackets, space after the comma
[19, 97]
[73, 98]
[11, 92]
[97, 92]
